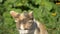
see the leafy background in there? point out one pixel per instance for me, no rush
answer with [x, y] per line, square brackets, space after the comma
[45, 11]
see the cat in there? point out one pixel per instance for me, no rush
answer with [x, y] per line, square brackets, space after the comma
[26, 24]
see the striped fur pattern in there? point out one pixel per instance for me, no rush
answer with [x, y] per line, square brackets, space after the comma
[26, 24]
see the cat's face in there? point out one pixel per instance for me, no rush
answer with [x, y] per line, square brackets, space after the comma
[24, 20]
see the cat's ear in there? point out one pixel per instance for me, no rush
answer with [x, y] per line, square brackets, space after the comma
[13, 13]
[31, 14]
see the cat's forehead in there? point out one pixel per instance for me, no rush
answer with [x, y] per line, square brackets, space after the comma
[21, 17]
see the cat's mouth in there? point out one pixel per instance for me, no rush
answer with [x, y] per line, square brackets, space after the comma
[23, 31]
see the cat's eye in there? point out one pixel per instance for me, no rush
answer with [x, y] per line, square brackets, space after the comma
[30, 22]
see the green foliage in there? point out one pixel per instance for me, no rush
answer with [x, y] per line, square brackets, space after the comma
[44, 11]
[0, 1]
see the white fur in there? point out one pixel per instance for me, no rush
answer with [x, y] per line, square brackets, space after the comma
[22, 27]
[23, 31]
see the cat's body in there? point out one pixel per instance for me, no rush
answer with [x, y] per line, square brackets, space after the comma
[26, 24]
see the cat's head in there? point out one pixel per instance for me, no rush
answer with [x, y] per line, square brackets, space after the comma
[23, 20]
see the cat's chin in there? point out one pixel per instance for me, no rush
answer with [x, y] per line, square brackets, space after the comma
[23, 31]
